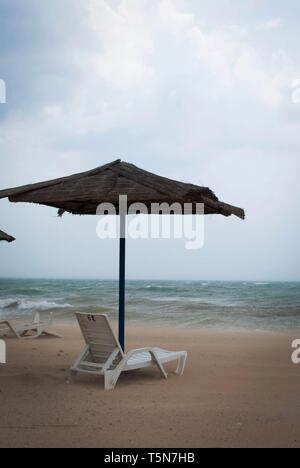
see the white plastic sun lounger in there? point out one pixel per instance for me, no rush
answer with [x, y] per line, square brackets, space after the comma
[103, 355]
[27, 331]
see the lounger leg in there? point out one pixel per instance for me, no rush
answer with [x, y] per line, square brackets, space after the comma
[159, 364]
[110, 379]
[73, 371]
[181, 365]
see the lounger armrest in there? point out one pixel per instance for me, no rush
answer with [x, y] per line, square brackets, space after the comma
[140, 350]
[128, 356]
[131, 353]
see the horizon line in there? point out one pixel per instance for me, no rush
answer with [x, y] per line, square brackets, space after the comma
[148, 279]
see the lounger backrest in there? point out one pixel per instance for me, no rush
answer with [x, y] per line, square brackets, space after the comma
[36, 318]
[46, 319]
[98, 334]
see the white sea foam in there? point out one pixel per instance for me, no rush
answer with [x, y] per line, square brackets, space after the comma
[23, 304]
[5, 303]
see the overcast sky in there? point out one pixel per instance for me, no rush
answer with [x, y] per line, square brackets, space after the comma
[194, 90]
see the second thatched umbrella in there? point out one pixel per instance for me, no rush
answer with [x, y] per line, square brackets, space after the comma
[6, 237]
[82, 193]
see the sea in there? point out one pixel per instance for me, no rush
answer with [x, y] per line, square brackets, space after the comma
[261, 306]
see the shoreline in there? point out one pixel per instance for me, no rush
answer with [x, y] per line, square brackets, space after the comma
[143, 325]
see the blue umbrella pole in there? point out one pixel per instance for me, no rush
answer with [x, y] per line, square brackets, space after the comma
[122, 282]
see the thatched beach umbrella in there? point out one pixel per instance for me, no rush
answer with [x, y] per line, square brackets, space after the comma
[6, 237]
[82, 193]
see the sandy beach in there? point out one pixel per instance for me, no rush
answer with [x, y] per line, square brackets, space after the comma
[240, 389]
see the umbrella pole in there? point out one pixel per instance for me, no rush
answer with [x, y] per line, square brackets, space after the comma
[122, 281]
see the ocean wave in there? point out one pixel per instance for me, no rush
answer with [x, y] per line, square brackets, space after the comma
[157, 288]
[7, 303]
[23, 304]
[246, 304]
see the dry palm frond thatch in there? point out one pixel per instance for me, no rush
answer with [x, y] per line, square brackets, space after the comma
[6, 237]
[82, 193]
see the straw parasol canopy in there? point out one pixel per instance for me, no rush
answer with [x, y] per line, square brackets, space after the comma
[82, 193]
[6, 237]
